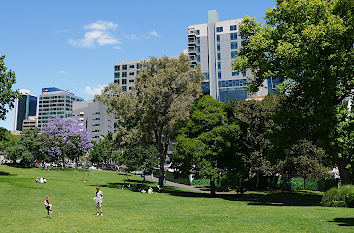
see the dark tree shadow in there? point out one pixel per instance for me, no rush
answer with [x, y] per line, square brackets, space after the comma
[6, 174]
[344, 222]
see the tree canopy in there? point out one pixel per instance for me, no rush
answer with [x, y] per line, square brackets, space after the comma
[7, 95]
[65, 137]
[164, 91]
[308, 44]
[209, 141]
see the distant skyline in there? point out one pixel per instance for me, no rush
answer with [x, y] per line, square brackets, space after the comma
[73, 45]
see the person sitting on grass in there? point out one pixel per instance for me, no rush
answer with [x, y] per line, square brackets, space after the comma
[150, 190]
[143, 191]
[48, 206]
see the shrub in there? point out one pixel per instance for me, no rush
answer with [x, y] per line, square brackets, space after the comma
[339, 197]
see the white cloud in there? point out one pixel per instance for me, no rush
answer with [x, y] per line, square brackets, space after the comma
[130, 37]
[154, 33]
[62, 72]
[117, 47]
[101, 25]
[98, 35]
[94, 90]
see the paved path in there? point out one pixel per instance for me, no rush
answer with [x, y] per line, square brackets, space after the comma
[178, 185]
[200, 190]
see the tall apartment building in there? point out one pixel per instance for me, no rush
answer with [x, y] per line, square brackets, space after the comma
[214, 46]
[25, 107]
[54, 102]
[125, 73]
[93, 116]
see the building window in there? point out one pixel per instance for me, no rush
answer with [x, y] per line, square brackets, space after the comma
[219, 74]
[217, 37]
[206, 75]
[197, 32]
[233, 27]
[219, 65]
[116, 81]
[244, 74]
[131, 73]
[233, 36]
[124, 81]
[138, 65]
[198, 49]
[218, 47]
[116, 68]
[235, 73]
[233, 44]
[124, 74]
[131, 66]
[191, 58]
[116, 75]
[233, 54]
[124, 88]
[219, 56]
[124, 67]
[219, 29]
[198, 58]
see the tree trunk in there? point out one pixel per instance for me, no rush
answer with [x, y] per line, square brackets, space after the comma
[343, 171]
[212, 187]
[162, 169]
[63, 160]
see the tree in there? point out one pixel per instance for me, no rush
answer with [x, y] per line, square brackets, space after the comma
[103, 151]
[305, 160]
[308, 43]
[209, 141]
[164, 91]
[141, 158]
[7, 139]
[259, 127]
[7, 95]
[28, 148]
[65, 137]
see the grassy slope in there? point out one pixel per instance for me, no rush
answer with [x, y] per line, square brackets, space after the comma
[126, 211]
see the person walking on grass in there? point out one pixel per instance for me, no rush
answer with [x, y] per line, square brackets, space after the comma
[48, 206]
[99, 200]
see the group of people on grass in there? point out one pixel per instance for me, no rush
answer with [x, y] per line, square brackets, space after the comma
[41, 180]
[98, 198]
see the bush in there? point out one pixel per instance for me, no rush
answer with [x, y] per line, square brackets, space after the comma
[339, 197]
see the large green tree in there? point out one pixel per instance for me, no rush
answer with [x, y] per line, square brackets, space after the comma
[7, 95]
[308, 43]
[209, 142]
[141, 158]
[257, 117]
[164, 91]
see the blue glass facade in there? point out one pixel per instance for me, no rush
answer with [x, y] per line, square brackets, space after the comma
[26, 106]
[206, 88]
[228, 94]
[272, 83]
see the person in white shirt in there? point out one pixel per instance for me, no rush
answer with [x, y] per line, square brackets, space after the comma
[150, 190]
[99, 200]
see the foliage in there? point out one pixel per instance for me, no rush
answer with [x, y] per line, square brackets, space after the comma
[308, 43]
[7, 95]
[65, 137]
[304, 160]
[28, 148]
[164, 91]
[257, 117]
[141, 158]
[338, 197]
[103, 151]
[7, 139]
[209, 141]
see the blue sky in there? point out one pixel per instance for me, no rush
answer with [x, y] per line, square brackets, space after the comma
[73, 45]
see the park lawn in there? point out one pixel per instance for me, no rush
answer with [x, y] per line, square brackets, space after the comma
[125, 210]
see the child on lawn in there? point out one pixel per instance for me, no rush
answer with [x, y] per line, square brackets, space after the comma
[48, 206]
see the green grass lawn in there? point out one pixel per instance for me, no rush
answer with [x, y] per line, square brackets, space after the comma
[176, 210]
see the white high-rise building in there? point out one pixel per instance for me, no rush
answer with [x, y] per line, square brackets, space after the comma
[125, 73]
[54, 102]
[214, 46]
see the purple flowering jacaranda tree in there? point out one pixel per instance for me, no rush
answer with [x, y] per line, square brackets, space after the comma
[65, 137]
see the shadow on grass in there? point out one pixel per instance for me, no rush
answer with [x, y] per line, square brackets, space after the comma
[344, 222]
[135, 185]
[6, 174]
[275, 198]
